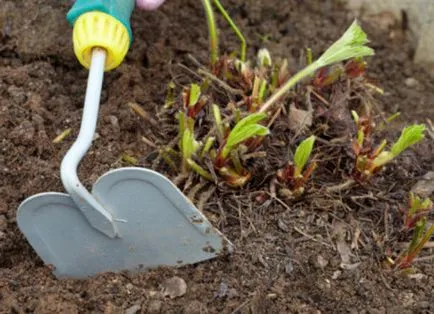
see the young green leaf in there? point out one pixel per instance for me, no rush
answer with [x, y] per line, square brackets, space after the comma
[189, 144]
[218, 120]
[170, 96]
[418, 208]
[129, 159]
[382, 159]
[212, 30]
[393, 117]
[420, 237]
[419, 204]
[360, 137]
[249, 120]
[380, 148]
[242, 135]
[302, 154]
[262, 90]
[409, 136]
[234, 27]
[309, 56]
[350, 45]
[355, 116]
[194, 95]
[208, 144]
[244, 130]
[264, 57]
[181, 124]
[199, 170]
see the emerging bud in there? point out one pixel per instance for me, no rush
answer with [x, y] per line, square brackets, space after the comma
[264, 57]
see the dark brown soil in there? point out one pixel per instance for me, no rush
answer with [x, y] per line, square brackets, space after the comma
[286, 259]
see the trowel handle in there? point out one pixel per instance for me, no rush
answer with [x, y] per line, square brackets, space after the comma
[104, 24]
[119, 9]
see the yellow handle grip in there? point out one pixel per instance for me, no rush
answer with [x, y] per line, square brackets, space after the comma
[98, 29]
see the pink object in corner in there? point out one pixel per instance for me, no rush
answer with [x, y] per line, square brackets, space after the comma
[149, 4]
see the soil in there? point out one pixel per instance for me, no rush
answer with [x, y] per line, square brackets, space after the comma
[287, 258]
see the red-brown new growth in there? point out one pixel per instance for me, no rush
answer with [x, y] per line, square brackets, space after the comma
[193, 110]
[415, 212]
[235, 75]
[327, 76]
[355, 68]
[287, 176]
[365, 152]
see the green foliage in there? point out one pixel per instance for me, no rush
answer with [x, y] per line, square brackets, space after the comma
[409, 136]
[234, 27]
[222, 154]
[189, 144]
[212, 29]
[218, 120]
[421, 236]
[352, 44]
[294, 175]
[355, 116]
[415, 220]
[199, 170]
[170, 95]
[370, 160]
[418, 208]
[419, 204]
[302, 154]
[244, 130]
[264, 57]
[208, 144]
[194, 95]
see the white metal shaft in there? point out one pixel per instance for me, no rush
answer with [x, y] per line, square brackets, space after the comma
[95, 213]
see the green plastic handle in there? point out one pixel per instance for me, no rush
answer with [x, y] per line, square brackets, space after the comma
[119, 9]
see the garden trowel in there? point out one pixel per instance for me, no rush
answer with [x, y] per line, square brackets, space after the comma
[134, 219]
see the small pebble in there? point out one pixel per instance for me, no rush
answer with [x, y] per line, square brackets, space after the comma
[321, 262]
[133, 309]
[272, 296]
[154, 307]
[417, 276]
[174, 287]
[289, 267]
[222, 291]
[411, 82]
[424, 187]
[114, 122]
[336, 274]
